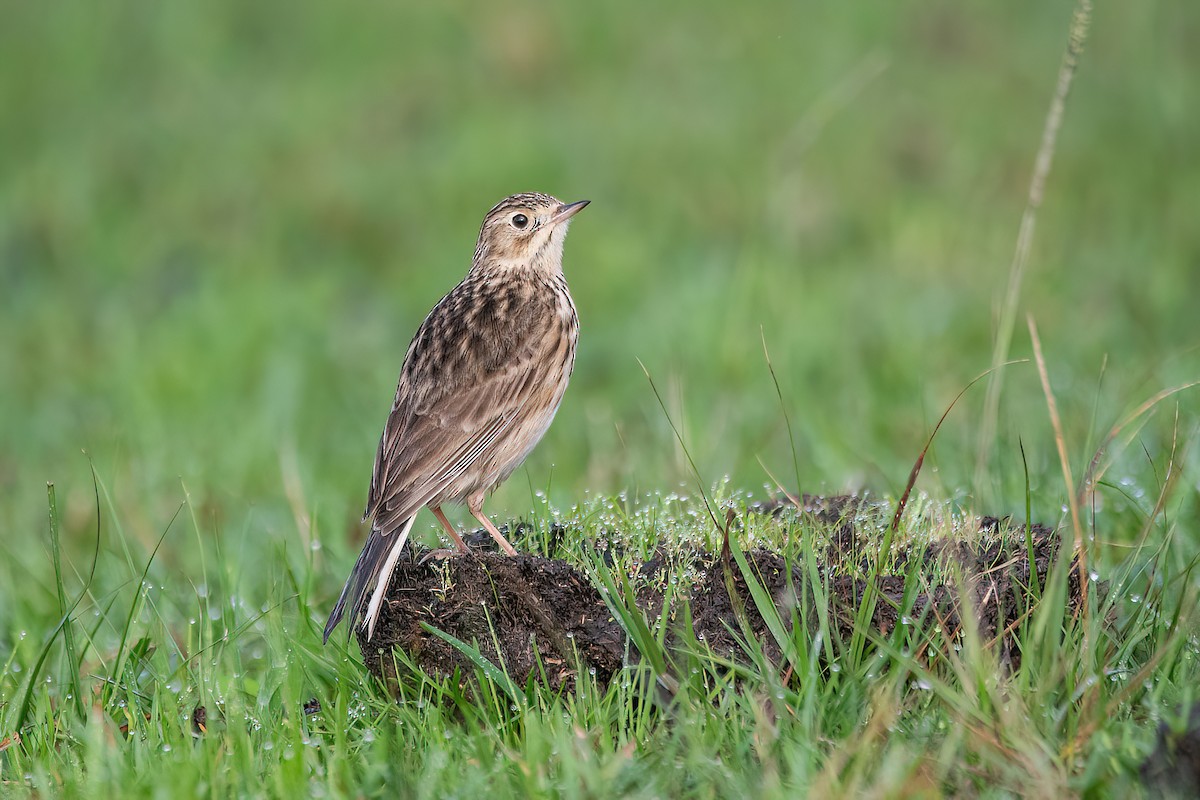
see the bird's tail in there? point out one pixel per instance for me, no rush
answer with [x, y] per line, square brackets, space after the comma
[370, 574]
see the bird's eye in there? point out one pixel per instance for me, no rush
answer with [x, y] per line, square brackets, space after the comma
[519, 221]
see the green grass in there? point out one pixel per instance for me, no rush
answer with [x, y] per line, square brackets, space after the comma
[883, 719]
[220, 223]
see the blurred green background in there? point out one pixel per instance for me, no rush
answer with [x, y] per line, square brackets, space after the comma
[220, 223]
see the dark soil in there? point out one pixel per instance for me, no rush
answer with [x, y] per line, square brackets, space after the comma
[1173, 769]
[525, 609]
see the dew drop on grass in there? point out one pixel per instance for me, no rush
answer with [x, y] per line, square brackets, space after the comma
[166, 748]
[268, 745]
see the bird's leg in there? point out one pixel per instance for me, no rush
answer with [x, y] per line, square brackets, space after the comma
[458, 542]
[475, 504]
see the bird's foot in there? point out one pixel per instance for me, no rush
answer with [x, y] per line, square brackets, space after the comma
[440, 554]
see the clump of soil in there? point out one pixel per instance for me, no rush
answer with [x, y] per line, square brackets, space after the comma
[544, 618]
[508, 606]
[1173, 769]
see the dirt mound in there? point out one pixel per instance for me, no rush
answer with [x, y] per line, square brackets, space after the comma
[1173, 769]
[544, 618]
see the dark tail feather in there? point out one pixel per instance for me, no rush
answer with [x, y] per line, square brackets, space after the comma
[339, 609]
[368, 580]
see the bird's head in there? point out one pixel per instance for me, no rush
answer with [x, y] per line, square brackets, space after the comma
[525, 231]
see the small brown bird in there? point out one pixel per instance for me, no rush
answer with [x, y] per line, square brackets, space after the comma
[480, 383]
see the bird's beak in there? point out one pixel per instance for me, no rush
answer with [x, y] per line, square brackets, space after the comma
[568, 210]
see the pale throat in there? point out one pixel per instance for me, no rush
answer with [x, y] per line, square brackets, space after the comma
[546, 258]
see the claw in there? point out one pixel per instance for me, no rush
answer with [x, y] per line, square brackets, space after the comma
[440, 553]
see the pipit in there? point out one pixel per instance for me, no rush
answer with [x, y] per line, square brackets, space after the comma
[480, 383]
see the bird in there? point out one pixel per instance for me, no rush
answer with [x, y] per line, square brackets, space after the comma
[479, 386]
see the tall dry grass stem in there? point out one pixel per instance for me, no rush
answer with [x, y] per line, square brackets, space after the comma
[1080, 21]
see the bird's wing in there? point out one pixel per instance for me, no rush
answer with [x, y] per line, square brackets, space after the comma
[476, 368]
[468, 378]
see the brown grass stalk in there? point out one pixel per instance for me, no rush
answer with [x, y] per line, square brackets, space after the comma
[1080, 20]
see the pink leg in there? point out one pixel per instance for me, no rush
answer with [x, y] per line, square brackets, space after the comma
[475, 504]
[458, 542]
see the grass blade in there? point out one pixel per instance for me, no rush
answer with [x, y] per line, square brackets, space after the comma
[67, 628]
[494, 673]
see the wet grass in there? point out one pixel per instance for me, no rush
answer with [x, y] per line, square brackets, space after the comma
[219, 225]
[205, 687]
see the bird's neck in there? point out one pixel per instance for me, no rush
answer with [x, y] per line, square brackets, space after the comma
[545, 261]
